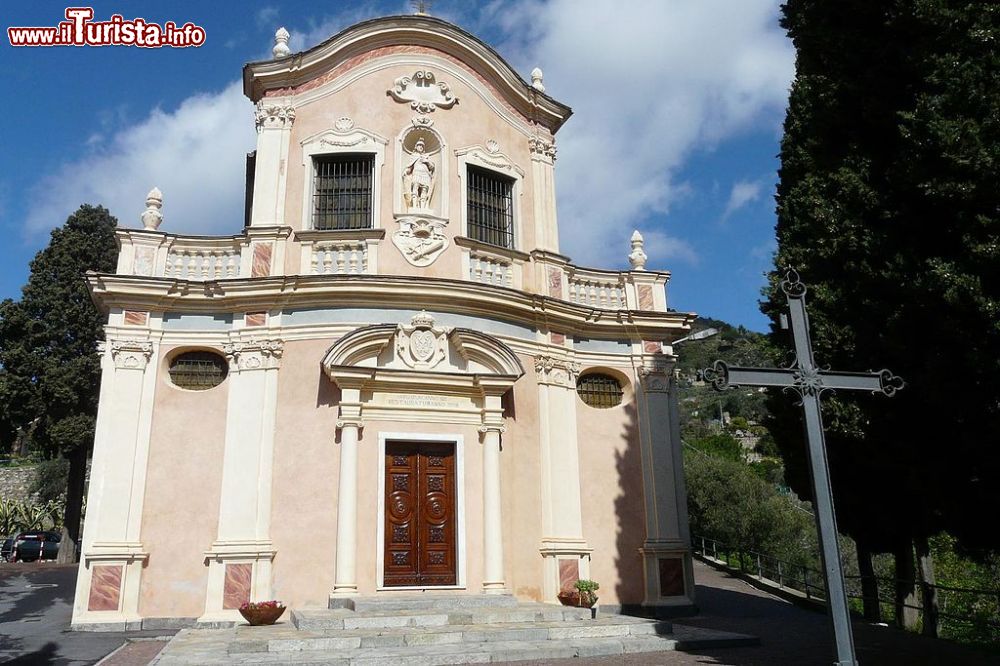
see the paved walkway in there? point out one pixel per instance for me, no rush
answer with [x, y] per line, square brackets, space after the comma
[789, 635]
[35, 609]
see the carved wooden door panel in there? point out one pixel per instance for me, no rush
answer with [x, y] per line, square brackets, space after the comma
[419, 514]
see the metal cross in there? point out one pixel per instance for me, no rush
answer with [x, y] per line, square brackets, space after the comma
[809, 381]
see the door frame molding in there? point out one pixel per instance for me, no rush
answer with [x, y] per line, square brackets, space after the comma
[459, 442]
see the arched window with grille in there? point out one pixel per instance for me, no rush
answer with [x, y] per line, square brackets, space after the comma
[600, 390]
[198, 370]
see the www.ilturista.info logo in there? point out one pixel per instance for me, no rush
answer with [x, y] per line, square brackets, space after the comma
[80, 30]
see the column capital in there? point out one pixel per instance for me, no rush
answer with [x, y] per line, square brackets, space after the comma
[542, 149]
[556, 371]
[274, 114]
[350, 423]
[128, 353]
[654, 378]
[260, 354]
[492, 427]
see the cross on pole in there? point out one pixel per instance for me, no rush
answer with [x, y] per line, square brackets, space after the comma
[809, 381]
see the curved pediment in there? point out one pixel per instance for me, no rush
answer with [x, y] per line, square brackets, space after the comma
[422, 346]
[361, 41]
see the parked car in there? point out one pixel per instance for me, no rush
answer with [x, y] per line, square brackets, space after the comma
[7, 549]
[35, 545]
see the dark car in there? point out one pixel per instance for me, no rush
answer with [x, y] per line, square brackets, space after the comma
[36, 545]
[7, 549]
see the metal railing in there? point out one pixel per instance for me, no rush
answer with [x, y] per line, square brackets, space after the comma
[809, 582]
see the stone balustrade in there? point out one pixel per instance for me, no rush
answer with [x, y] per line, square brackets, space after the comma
[339, 257]
[187, 262]
[598, 289]
[490, 269]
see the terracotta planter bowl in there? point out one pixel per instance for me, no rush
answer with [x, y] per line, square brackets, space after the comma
[574, 598]
[261, 616]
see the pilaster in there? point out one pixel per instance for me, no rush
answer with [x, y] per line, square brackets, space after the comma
[666, 551]
[239, 560]
[274, 118]
[565, 553]
[107, 591]
[543, 184]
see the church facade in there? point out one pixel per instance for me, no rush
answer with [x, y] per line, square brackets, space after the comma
[390, 381]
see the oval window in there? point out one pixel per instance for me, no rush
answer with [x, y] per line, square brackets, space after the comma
[198, 370]
[599, 390]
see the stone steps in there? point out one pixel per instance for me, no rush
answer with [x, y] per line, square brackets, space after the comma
[342, 618]
[289, 640]
[421, 602]
[462, 653]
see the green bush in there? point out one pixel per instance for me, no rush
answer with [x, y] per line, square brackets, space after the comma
[50, 479]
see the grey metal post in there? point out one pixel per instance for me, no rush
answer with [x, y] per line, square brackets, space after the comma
[809, 381]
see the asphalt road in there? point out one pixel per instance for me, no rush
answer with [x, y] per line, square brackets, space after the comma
[36, 604]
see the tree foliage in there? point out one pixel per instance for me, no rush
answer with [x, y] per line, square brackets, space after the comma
[888, 207]
[48, 347]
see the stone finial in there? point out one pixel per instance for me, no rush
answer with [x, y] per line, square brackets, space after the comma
[536, 80]
[637, 257]
[281, 49]
[152, 217]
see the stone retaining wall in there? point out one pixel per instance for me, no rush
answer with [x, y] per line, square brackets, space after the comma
[15, 482]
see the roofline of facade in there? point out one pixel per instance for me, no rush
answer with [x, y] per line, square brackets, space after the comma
[428, 31]
[388, 291]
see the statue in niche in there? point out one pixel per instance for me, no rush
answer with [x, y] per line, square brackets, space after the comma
[418, 178]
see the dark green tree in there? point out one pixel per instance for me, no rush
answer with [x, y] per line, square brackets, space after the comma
[48, 345]
[889, 209]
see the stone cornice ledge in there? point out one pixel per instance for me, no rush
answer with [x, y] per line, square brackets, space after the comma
[388, 291]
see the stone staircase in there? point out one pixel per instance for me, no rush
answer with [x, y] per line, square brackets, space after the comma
[437, 629]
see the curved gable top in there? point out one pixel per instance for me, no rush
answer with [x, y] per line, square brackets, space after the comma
[362, 347]
[425, 31]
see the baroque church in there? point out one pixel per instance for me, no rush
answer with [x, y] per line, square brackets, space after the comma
[390, 381]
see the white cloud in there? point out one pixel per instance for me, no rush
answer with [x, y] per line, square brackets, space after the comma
[195, 154]
[742, 193]
[266, 15]
[649, 82]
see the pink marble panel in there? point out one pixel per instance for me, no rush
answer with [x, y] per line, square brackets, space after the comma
[569, 573]
[255, 319]
[557, 338]
[236, 589]
[555, 282]
[261, 260]
[645, 297]
[105, 587]
[134, 318]
[652, 346]
[671, 577]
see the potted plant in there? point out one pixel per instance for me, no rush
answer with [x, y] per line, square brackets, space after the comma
[585, 589]
[582, 595]
[259, 613]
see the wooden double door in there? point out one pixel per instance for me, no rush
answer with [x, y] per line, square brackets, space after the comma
[420, 543]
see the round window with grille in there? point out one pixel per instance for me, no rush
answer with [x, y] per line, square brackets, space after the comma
[600, 390]
[198, 370]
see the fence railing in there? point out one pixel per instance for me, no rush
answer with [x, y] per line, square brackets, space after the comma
[809, 582]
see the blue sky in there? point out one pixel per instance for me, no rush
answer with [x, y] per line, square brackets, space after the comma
[678, 108]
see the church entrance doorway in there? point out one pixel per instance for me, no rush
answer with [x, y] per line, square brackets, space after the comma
[420, 508]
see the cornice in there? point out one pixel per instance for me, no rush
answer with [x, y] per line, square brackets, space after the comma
[387, 291]
[427, 31]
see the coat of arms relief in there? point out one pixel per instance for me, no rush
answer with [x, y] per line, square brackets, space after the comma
[422, 345]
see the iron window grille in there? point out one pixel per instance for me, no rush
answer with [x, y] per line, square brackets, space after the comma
[601, 391]
[491, 208]
[198, 370]
[342, 191]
